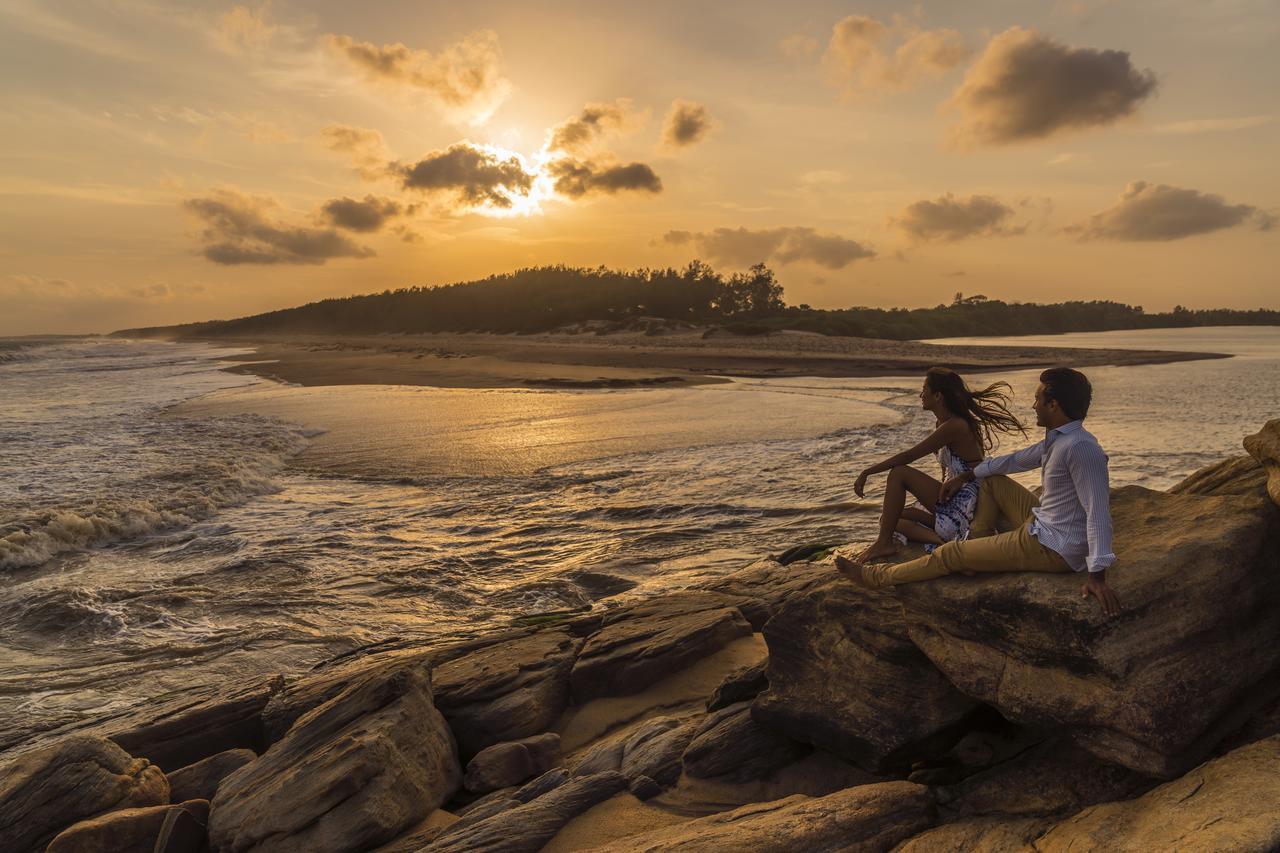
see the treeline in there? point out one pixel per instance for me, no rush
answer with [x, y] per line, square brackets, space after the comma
[543, 298]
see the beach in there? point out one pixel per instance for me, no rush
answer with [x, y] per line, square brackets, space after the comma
[637, 359]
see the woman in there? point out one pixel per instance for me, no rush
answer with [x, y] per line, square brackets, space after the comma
[966, 425]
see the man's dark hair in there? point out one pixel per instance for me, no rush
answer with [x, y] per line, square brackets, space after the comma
[1070, 388]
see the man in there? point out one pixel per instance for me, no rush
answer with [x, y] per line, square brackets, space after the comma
[1068, 529]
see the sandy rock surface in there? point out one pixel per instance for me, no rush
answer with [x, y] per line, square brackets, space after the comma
[45, 790]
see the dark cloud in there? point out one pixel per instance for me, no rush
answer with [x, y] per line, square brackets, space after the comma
[476, 176]
[239, 231]
[948, 218]
[740, 247]
[595, 120]
[688, 123]
[1028, 86]
[867, 54]
[1150, 212]
[464, 75]
[365, 148]
[576, 178]
[368, 214]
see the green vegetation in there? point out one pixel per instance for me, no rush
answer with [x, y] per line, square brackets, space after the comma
[544, 298]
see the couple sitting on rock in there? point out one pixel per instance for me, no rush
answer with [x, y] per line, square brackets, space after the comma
[1068, 528]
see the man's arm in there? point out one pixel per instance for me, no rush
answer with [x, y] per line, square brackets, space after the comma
[1088, 466]
[1026, 459]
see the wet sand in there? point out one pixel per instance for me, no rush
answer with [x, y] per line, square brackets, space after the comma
[635, 359]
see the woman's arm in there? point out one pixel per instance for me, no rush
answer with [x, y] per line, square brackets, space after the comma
[940, 437]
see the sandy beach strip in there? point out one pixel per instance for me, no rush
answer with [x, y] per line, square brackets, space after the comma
[635, 359]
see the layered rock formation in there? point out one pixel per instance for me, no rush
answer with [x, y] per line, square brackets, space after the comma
[994, 712]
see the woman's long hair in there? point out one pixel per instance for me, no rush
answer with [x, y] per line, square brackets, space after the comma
[986, 411]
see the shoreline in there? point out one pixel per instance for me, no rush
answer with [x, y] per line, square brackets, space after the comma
[634, 360]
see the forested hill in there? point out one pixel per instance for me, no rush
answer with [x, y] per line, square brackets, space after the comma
[544, 298]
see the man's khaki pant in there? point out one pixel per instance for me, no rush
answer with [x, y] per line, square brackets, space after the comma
[985, 550]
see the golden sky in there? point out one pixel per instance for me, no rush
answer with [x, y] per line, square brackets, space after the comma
[166, 162]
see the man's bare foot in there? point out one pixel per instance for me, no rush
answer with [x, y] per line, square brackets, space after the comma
[850, 569]
[876, 550]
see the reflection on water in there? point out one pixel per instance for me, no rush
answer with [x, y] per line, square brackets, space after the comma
[423, 512]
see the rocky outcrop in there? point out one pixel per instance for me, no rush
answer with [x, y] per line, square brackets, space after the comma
[182, 732]
[730, 744]
[508, 690]
[740, 686]
[845, 677]
[655, 749]
[1052, 778]
[506, 764]
[639, 646]
[200, 781]
[866, 818]
[351, 774]
[1230, 803]
[987, 834]
[1149, 689]
[526, 828]
[171, 829]
[1264, 446]
[45, 790]
[759, 588]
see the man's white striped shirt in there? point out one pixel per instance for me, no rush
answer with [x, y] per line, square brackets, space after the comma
[1074, 516]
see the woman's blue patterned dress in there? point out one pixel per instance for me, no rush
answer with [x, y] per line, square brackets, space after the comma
[951, 517]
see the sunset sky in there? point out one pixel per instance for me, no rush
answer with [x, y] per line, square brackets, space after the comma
[163, 162]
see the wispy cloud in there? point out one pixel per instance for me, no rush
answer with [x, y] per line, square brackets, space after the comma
[1215, 125]
[742, 246]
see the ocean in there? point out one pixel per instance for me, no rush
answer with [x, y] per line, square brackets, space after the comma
[170, 527]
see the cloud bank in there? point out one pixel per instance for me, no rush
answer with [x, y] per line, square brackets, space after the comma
[687, 123]
[239, 230]
[1158, 212]
[742, 247]
[576, 178]
[366, 215]
[1027, 86]
[474, 175]
[867, 54]
[580, 132]
[466, 76]
[947, 219]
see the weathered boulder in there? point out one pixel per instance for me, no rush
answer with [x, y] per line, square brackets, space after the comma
[506, 691]
[639, 646]
[1264, 446]
[655, 748]
[732, 745]
[1240, 475]
[1229, 803]
[200, 781]
[295, 697]
[526, 828]
[46, 790]
[866, 818]
[759, 588]
[175, 733]
[1197, 577]
[844, 676]
[1052, 778]
[988, 834]
[350, 774]
[740, 685]
[172, 829]
[511, 763]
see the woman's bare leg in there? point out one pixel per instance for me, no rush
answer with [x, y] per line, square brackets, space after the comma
[901, 480]
[917, 526]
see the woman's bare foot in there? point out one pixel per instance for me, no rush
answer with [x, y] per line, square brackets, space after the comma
[876, 550]
[850, 569]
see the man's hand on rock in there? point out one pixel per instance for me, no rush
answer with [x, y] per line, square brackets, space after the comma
[1096, 586]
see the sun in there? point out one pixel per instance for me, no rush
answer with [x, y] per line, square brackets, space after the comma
[527, 204]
